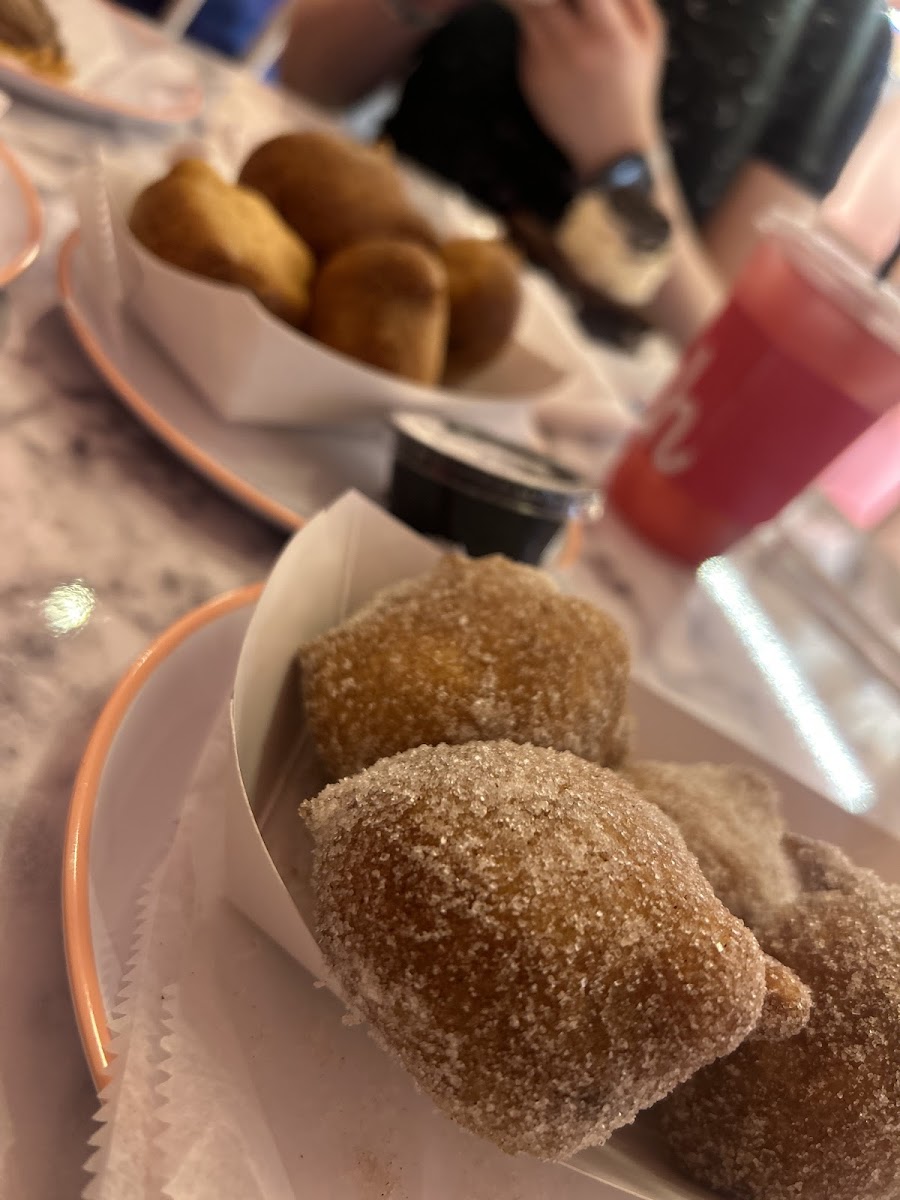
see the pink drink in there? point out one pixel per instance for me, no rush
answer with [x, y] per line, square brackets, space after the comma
[804, 358]
[864, 483]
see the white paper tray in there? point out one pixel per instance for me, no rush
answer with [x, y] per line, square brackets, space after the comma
[250, 367]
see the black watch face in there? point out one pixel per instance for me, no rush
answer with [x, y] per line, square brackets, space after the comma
[628, 172]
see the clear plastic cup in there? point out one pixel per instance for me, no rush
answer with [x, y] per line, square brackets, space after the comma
[803, 359]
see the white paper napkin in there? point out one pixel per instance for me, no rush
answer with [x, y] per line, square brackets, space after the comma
[177, 899]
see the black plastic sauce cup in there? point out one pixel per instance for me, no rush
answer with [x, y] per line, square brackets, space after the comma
[474, 490]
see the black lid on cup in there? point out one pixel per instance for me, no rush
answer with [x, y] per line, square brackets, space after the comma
[489, 469]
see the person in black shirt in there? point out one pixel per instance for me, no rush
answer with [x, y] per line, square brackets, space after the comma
[738, 104]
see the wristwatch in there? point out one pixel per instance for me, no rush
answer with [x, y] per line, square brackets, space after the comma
[614, 235]
[628, 171]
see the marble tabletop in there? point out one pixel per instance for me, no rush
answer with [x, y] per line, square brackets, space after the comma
[89, 496]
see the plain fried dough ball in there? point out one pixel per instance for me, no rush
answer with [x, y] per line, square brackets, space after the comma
[816, 1117]
[384, 302]
[476, 649]
[195, 220]
[334, 191]
[529, 937]
[485, 288]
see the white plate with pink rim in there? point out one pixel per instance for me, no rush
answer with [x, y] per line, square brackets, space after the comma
[21, 218]
[122, 69]
[134, 776]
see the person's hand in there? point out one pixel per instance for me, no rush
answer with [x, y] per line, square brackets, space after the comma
[590, 71]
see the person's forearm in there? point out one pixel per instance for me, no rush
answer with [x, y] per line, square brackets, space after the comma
[694, 289]
[706, 266]
[339, 50]
[732, 230]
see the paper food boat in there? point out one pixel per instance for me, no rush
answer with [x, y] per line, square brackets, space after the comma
[251, 367]
[328, 571]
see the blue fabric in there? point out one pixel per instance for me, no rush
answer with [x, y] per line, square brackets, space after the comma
[228, 26]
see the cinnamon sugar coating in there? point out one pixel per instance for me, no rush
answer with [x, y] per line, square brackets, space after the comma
[476, 649]
[816, 1117]
[730, 817]
[529, 937]
[787, 1006]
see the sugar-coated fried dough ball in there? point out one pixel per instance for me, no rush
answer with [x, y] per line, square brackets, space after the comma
[529, 937]
[816, 1117]
[384, 302]
[334, 191]
[476, 649]
[787, 1005]
[195, 220]
[621, 742]
[730, 817]
[485, 290]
